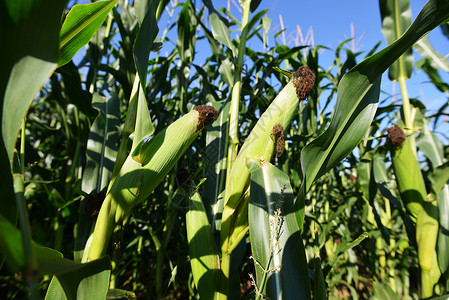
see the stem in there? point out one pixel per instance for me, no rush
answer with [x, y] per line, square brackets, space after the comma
[234, 110]
[233, 132]
[31, 271]
[224, 280]
[71, 176]
[407, 111]
[159, 261]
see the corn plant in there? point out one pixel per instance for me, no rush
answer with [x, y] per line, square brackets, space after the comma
[140, 168]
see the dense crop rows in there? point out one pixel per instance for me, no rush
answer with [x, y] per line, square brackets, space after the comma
[216, 173]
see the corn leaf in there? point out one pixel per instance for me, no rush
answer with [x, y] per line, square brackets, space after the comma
[437, 61]
[220, 31]
[357, 99]
[79, 27]
[343, 247]
[144, 42]
[101, 145]
[396, 18]
[77, 280]
[202, 248]
[89, 281]
[384, 291]
[144, 125]
[29, 53]
[215, 163]
[276, 243]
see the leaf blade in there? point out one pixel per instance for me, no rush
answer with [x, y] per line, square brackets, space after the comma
[79, 27]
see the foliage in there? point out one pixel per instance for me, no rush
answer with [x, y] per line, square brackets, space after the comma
[140, 190]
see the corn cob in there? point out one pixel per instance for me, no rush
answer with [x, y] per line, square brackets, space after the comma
[422, 212]
[143, 170]
[261, 142]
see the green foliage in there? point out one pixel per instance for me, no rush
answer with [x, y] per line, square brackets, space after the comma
[122, 193]
[79, 26]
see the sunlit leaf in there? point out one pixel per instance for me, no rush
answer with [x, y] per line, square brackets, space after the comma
[220, 31]
[278, 251]
[144, 43]
[202, 248]
[79, 27]
[396, 18]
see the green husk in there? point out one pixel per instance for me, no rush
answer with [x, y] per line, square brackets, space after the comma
[143, 170]
[422, 212]
[260, 143]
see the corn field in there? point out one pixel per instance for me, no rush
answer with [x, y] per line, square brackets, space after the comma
[218, 172]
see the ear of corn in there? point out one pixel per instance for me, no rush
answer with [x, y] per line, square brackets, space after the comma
[423, 213]
[408, 173]
[260, 143]
[143, 170]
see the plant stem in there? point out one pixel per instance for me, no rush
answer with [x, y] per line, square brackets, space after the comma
[407, 111]
[233, 129]
[224, 280]
[19, 187]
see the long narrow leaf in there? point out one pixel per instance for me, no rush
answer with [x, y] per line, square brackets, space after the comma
[80, 25]
[437, 60]
[202, 248]
[396, 18]
[276, 243]
[144, 42]
[101, 146]
[28, 55]
[76, 279]
[220, 31]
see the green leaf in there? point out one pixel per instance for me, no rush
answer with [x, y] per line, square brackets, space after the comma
[439, 178]
[101, 145]
[276, 243]
[319, 287]
[357, 98]
[283, 72]
[215, 162]
[343, 247]
[396, 18]
[144, 43]
[384, 292]
[89, 281]
[436, 60]
[79, 27]
[79, 281]
[144, 125]
[254, 4]
[203, 251]
[29, 53]
[120, 294]
[220, 31]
